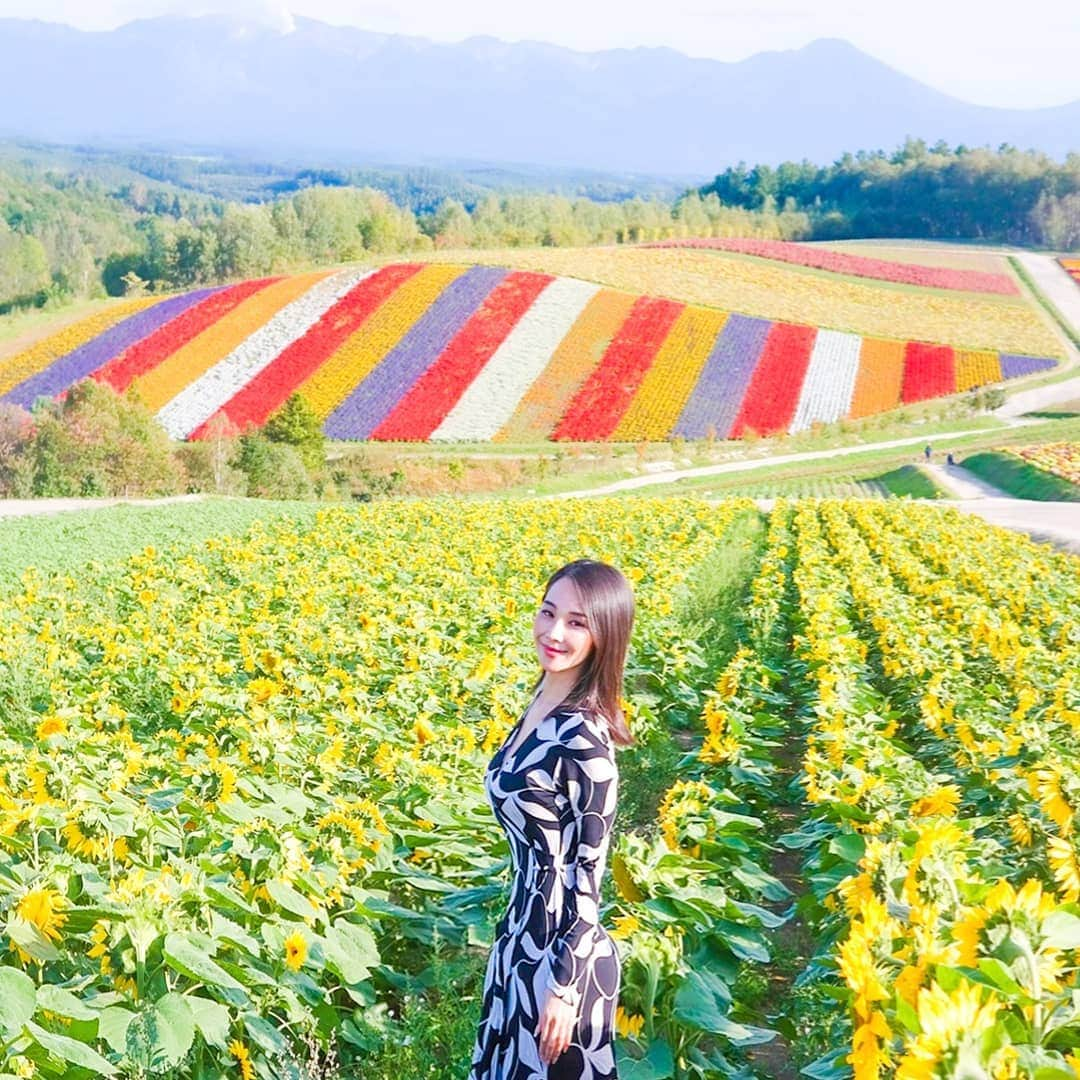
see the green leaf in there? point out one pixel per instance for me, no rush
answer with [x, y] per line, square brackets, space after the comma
[18, 1000]
[285, 896]
[211, 1018]
[351, 950]
[225, 929]
[703, 1000]
[745, 943]
[78, 1053]
[849, 846]
[113, 1025]
[264, 1034]
[190, 954]
[657, 1064]
[175, 1028]
[1061, 929]
[1000, 976]
[30, 939]
[63, 1002]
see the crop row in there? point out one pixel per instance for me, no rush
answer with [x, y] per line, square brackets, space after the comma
[977, 281]
[438, 351]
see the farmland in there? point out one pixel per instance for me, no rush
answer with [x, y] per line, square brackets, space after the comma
[242, 797]
[445, 351]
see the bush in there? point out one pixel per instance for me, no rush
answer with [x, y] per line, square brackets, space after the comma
[274, 470]
[208, 462]
[16, 437]
[97, 442]
[296, 424]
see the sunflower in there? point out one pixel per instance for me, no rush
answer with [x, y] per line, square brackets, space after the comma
[243, 1059]
[43, 908]
[296, 951]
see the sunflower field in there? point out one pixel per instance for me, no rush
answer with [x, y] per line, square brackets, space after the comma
[240, 783]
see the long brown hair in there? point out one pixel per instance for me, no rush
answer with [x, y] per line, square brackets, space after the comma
[608, 603]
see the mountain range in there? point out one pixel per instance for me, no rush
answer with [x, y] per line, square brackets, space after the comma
[348, 94]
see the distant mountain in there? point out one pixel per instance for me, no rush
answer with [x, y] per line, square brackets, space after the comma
[354, 95]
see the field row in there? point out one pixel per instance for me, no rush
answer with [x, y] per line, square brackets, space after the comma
[935, 277]
[416, 351]
[779, 291]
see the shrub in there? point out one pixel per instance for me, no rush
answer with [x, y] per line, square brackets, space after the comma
[97, 442]
[208, 462]
[16, 437]
[296, 424]
[274, 470]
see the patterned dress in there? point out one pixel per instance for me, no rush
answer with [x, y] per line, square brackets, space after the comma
[555, 799]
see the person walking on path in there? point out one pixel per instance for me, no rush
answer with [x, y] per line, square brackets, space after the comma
[552, 980]
[926, 451]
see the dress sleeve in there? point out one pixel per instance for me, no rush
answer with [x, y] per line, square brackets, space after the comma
[589, 780]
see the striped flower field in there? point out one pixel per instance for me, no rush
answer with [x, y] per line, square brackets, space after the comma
[438, 351]
[1072, 268]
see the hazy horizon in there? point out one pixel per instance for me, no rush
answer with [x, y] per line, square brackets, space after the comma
[1007, 63]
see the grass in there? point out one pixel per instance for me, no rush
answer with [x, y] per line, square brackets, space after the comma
[78, 540]
[715, 596]
[1021, 478]
[910, 481]
[864, 464]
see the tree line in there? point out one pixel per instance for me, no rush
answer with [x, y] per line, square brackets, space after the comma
[69, 235]
[935, 192]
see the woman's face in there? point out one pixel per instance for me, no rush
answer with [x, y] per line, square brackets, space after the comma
[561, 630]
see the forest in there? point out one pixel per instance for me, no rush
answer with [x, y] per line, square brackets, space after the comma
[933, 192]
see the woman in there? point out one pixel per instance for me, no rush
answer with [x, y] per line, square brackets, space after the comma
[552, 980]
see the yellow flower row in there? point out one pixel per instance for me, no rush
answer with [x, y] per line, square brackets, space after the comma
[791, 294]
[39, 356]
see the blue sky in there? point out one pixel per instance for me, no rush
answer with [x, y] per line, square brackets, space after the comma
[994, 52]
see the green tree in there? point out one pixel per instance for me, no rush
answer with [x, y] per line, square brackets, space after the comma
[297, 424]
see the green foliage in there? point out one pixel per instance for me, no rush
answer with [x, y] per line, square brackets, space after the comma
[909, 481]
[72, 541]
[297, 424]
[1021, 478]
[1022, 197]
[97, 442]
[274, 470]
[16, 436]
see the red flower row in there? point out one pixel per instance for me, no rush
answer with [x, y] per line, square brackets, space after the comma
[420, 411]
[596, 409]
[935, 277]
[773, 393]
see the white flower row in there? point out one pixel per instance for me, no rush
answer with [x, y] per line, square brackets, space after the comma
[830, 379]
[199, 400]
[491, 398]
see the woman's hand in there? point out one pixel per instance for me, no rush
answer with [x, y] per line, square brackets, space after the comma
[557, 1019]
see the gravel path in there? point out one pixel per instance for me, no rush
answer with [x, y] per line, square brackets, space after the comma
[1055, 284]
[962, 483]
[669, 476]
[27, 507]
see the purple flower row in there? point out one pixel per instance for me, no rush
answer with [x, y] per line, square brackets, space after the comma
[374, 397]
[87, 358]
[718, 394]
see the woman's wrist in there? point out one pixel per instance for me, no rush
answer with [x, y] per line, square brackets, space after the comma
[569, 994]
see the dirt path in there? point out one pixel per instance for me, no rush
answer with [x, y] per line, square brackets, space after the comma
[28, 507]
[961, 483]
[671, 475]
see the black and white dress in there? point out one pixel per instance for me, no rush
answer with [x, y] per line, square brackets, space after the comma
[555, 799]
